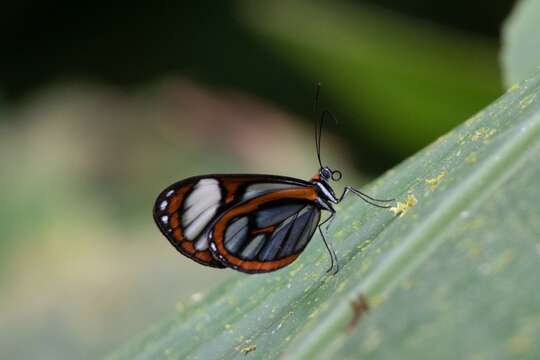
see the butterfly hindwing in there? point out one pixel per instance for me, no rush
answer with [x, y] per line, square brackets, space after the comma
[186, 211]
[267, 232]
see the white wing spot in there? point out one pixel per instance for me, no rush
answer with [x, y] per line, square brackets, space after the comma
[169, 193]
[200, 222]
[163, 205]
[165, 219]
[200, 207]
[204, 189]
[202, 242]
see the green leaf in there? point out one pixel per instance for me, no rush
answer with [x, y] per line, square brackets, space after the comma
[521, 37]
[456, 276]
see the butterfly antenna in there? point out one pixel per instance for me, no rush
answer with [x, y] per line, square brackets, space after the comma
[324, 114]
[318, 126]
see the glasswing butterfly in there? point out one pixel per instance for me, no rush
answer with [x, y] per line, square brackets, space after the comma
[251, 223]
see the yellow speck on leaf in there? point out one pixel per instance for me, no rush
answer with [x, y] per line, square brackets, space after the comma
[474, 119]
[248, 349]
[483, 134]
[376, 301]
[514, 87]
[471, 158]
[293, 272]
[341, 286]
[407, 284]
[519, 344]
[528, 100]
[313, 314]
[196, 297]
[434, 182]
[232, 300]
[474, 251]
[373, 340]
[402, 207]
[502, 260]
[180, 307]
[365, 266]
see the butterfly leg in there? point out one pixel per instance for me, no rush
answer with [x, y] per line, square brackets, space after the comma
[370, 200]
[333, 256]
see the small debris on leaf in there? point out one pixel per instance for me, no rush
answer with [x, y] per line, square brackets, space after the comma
[471, 158]
[433, 183]
[247, 349]
[359, 307]
[198, 296]
[483, 134]
[402, 207]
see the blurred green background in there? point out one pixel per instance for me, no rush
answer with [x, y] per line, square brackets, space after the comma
[101, 106]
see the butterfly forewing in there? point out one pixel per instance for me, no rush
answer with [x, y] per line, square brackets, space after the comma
[183, 211]
[266, 232]
[186, 211]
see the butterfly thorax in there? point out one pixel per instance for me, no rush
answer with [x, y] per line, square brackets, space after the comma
[320, 180]
[326, 194]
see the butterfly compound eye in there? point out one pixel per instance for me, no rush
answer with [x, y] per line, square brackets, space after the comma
[326, 173]
[336, 175]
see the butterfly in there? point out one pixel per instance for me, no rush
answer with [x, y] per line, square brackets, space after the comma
[251, 223]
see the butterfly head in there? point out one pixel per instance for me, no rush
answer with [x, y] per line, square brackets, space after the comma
[326, 174]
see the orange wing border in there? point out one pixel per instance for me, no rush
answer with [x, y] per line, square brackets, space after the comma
[217, 246]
